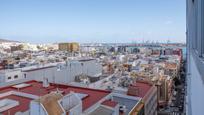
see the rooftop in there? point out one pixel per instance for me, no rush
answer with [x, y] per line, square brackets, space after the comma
[128, 103]
[50, 103]
[110, 103]
[102, 111]
[140, 88]
[23, 104]
[36, 89]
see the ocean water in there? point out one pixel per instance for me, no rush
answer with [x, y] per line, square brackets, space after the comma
[184, 52]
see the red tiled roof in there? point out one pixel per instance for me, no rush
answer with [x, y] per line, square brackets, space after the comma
[110, 103]
[37, 89]
[139, 89]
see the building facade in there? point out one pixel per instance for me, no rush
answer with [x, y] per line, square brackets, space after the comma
[195, 56]
[70, 47]
[148, 92]
[56, 73]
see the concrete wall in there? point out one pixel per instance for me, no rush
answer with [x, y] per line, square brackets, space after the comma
[64, 75]
[195, 46]
[10, 76]
[195, 90]
[150, 101]
[36, 108]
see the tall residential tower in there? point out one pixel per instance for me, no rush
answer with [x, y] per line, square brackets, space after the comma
[195, 54]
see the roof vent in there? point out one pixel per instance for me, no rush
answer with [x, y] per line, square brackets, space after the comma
[45, 82]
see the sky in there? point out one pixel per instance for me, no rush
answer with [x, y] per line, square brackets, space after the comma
[91, 21]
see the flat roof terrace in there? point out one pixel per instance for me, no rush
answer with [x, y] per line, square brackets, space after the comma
[129, 102]
[36, 88]
[22, 107]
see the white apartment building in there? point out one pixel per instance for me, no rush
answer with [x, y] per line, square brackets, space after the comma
[195, 56]
[10, 75]
[62, 73]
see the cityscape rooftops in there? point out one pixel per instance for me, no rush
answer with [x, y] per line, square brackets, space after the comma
[140, 88]
[35, 90]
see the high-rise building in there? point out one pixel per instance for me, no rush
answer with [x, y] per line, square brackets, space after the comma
[195, 57]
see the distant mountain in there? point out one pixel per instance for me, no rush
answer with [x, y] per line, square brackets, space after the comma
[5, 40]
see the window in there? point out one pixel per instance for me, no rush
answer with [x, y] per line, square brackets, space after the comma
[195, 40]
[198, 28]
[16, 76]
[202, 27]
[9, 78]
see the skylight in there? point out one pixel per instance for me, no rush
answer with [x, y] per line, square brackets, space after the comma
[22, 85]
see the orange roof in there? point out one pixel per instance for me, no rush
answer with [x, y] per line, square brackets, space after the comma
[170, 65]
[50, 103]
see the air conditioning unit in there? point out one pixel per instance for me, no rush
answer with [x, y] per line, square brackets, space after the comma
[122, 108]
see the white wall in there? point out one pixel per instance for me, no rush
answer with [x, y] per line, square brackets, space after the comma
[39, 74]
[12, 74]
[36, 108]
[67, 72]
[2, 78]
[72, 103]
[195, 90]
[195, 84]
[65, 75]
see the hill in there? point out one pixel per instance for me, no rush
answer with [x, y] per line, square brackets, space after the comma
[6, 40]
